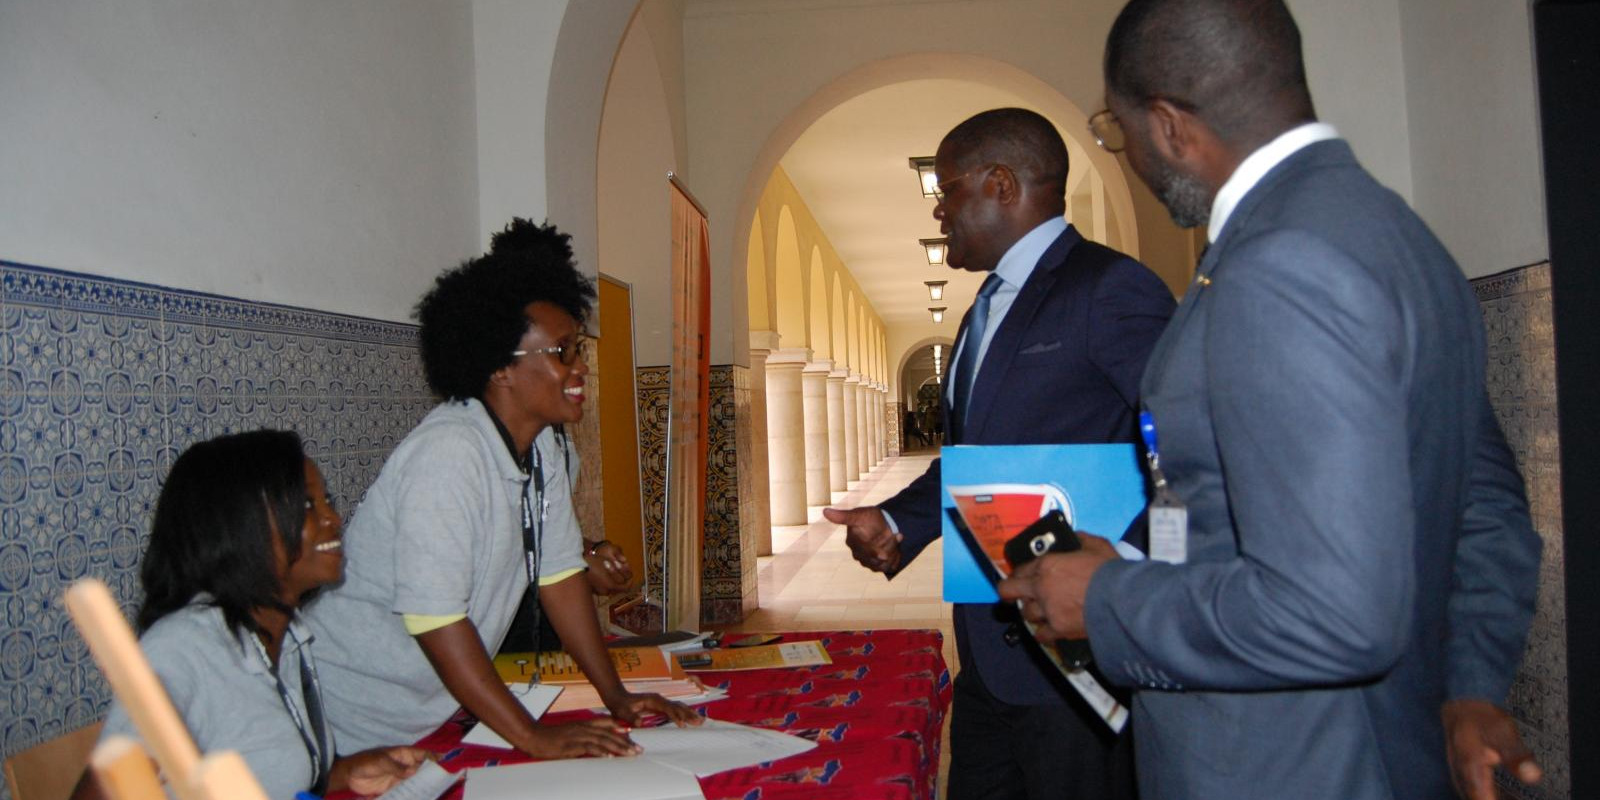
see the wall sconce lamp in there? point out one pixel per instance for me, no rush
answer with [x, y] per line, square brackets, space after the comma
[925, 176]
[934, 248]
[935, 290]
[938, 314]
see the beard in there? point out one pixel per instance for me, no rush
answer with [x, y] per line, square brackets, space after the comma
[1186, 198]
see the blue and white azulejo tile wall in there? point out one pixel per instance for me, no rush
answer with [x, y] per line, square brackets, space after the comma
[102, 384]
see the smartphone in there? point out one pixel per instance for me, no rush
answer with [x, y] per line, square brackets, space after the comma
[758, 639]
[1050, 534]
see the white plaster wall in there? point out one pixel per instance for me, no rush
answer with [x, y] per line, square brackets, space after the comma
[1475, 159]
[591, 33]
[751, 63]
[514, 47]
[635, 211]
[1357, 76]
[303, 152]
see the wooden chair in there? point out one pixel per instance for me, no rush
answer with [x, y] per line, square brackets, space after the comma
[220, 776]
[48, 771]
[125, 771]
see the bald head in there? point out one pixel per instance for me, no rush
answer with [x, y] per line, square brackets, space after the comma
[1236, 64]
[1018, 138]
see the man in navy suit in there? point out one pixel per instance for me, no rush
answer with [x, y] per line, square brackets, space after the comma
[1050, 353]
[1353, 584]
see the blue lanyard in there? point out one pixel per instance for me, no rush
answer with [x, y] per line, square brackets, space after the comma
[1147, 429]
[313, 732]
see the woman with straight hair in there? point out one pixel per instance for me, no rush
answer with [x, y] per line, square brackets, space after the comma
[244, 533]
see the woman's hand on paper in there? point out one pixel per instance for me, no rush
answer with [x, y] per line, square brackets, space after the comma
[375, 771]
[632, 708]
[601, 736]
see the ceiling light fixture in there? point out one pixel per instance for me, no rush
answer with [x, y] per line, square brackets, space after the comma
[935, 290]
[925, 176]
[935, 250]
[938, 314]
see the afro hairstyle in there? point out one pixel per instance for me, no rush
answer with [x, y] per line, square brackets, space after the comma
[474, 316]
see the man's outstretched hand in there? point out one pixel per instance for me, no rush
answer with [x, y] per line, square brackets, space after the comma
[868, 534]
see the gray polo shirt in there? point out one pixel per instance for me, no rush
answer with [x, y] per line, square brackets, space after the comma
[227, 697]
[439, 533]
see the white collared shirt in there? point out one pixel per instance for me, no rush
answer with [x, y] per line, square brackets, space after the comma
[1014, 269]
[1255, 167]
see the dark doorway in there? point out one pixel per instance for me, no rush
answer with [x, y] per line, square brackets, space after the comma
[1566, 33]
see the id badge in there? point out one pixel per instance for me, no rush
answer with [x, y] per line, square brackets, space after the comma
[1169, 528]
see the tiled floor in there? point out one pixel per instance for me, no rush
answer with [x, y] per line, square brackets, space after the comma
[811, 582]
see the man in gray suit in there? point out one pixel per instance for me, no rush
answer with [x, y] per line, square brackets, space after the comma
[1353, 554]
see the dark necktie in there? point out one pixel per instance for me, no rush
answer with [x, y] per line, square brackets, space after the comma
[967, 367]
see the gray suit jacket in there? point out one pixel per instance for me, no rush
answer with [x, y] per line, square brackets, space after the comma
[1359, 545]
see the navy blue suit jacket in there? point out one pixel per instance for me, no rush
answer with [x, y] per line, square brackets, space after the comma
[1359, 547]
[1062, 368]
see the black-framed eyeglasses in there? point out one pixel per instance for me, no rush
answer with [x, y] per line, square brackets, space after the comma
[938, 188]
[1107, 131]
[567, 353]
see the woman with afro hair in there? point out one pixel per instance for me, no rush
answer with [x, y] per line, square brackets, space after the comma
[469, 511]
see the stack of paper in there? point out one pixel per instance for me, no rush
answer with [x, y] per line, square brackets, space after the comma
[687, 691]
[672, 758]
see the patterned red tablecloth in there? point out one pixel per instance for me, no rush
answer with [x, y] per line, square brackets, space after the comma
[875, 714]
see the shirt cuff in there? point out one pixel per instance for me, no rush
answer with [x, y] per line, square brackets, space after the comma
[418, 624]
[550, 580]
[893, 528]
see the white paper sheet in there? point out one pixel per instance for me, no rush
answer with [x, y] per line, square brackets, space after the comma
[716, 746]
[582, 779]
[534, 697]
[427, 783]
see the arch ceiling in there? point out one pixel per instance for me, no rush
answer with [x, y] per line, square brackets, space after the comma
[850, 166]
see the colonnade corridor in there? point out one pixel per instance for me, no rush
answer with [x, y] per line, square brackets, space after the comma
[810, 582]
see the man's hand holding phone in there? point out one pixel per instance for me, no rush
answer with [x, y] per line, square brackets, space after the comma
[1053, 579]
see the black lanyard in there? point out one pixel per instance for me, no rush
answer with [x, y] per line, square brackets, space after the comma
[312, 728]
[532, 467]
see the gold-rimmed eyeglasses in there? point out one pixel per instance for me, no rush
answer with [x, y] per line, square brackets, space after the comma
[938, 188]
[567, 353]
[1107, 131]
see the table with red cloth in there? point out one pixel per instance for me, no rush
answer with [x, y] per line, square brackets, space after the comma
[875, 714]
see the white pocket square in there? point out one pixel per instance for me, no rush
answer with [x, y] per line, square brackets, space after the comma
[1041, 347]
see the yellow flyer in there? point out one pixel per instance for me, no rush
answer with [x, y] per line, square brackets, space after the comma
[632, 663]
[788, 654]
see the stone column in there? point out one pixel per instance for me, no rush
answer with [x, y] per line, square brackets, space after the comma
[863, 425]
[762, 343]
[852, 434]
[814, 391]
[894, 416]
[883, 422]
[837, 481]
[877, 423]
[786, 428]
[869, 431]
